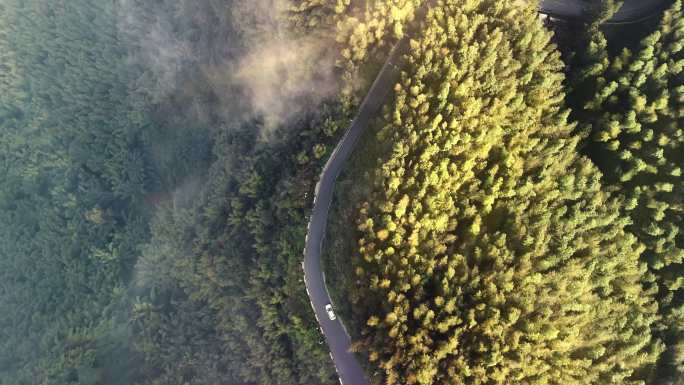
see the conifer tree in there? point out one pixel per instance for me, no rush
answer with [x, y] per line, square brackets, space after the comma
[73, 174]
[633, 105]
[364, 29]
[488, 251]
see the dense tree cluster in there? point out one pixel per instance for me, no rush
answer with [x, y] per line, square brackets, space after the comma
[109, 112]
[226, 303]
[489, 253]
[151, 236]
[633, 104]
[74, 177]
[364, 29]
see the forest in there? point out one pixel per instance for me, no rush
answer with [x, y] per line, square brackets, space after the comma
[519, 215]
[512, 216]
[153, 212]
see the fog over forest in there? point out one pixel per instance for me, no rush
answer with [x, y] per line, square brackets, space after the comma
[157, 156]
[242, 56]
[511, 214]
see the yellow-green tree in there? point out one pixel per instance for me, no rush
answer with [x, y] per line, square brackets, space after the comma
[488, 251]
[634, 104]
[364, 29]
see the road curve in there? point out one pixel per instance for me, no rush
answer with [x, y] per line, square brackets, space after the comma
[347, 366]
[631, 10]
[339, 342]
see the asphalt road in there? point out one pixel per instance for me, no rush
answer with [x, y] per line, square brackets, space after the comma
[347, 366]
[631, 10]
[339, 342]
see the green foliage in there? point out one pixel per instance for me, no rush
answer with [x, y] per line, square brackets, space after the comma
[602, 11]
[365, 30]
[488, 252]
[487, 249]
[226, 300]
[101, 126]
[74, 178]
[633, 104]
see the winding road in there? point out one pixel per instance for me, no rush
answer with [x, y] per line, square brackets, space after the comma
[347, 366]
[339, 342]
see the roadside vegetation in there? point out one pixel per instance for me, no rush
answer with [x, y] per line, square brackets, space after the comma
[512, 227]
[513, 215]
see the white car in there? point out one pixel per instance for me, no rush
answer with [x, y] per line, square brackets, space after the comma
[329, 310]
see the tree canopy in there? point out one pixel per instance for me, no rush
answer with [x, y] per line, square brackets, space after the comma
[632, 104]
[507, 227]
[148, 234]
[488, 251]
